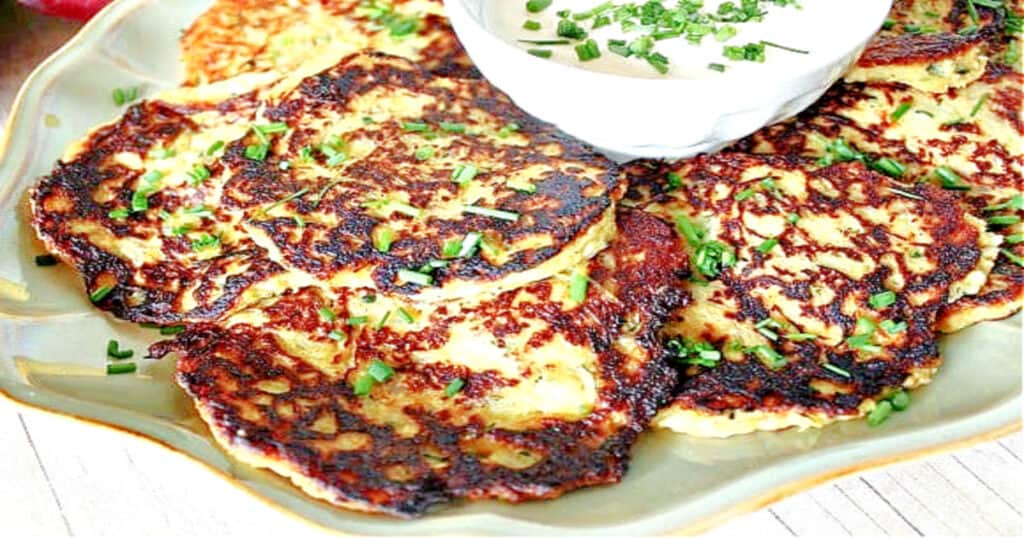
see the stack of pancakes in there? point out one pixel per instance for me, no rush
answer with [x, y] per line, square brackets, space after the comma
[398, 289]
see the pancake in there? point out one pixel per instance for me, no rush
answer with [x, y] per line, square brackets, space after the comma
[525, 395]
[967, 140]
[174, 257]
[234, 37]
[322, 180]
[931, 45]
[818, 287]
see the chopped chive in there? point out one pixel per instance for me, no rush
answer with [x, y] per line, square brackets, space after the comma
[978, 105]
[424, 152]
[161, 153]
[450, 127]
[507, 130]
[454, 386]
[116, 368]
[205, 241]
[327, 314]
[792, 218]
[1014, 239]
[536, 6]
[214, 148]
[540, 53]
[674, 180]
[123, 96]
[578, 284]
[469, 244]
[1016, 202]
[406, 316]
[415, 126]
[357, 320]
[880, 413]
[168, 330]
[451, 248]
[380, 371]
[46, 260]
[114, 351]
[119, 213]
[771, 358]
[836, 370]
[363, 385]
[272, 128]
[199, 173]
[532, 26]
[293, 196]
[692, 232]
[464, 173]
[545, 42]
[716, 67]
[905, 194]
[900, 111]
[900, 400]
[767, 245]
[100, 293]
[414, 277]
[588, 50]
[382, 238]
[893, 327]
[889, 167]
[783, 47]
[882, 299]
[743, 195]
[800, 337]
[1010, 255]
[256, 152]
[337, 336]
[1003, 220]
[950, 179]
[510, 216]
[383, 321]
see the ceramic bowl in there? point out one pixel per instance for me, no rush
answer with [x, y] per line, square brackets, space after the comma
[662, 118]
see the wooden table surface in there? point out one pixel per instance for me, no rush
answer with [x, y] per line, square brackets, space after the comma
[59, 477]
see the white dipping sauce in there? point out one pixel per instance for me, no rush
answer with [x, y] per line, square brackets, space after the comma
[810, 27]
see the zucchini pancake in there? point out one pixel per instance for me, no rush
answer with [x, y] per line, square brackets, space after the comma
[965, 138]
[374, 403]
[255, 36]
[369, 174]
[395, 288]
[815, 289]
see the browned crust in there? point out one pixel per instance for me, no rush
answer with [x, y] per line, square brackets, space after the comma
[635, 284]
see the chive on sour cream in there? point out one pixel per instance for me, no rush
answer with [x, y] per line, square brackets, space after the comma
[687, 39]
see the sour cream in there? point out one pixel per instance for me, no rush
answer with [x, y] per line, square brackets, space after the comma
[807, 29]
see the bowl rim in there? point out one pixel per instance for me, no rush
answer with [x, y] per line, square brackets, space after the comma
[458, 12]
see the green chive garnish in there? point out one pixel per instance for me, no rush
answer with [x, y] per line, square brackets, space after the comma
[123, 96]
[900, 111]
[327, 314]
[882, 299]
[115, 352]
[337, 336]
[116, 368]
[767, 245]
[100, 293]
[536, 6]
[510, 216]
[414, 277]
[1003, 220]
[363, 385]
[406, 316]
[380, 371]
[949, 179]
[893, 327]
[880, 413]
[454, 386]
[578, 284]
[900, 400]
[836, 370]
[540, 53]
[424, 152]
[464, 173]
[889, 167]
[532, 26]
[357, 320]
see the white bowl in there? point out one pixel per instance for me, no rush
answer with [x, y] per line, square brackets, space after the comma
[671, 117]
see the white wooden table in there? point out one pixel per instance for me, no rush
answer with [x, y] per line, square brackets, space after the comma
[59, 477]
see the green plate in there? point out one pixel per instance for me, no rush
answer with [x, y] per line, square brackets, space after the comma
[52, 349]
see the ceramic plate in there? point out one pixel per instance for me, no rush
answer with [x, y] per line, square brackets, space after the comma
[52, 348]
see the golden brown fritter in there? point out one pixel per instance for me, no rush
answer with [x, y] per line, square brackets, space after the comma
[249, 36]
[384, 166]
[932, 45]
[377, 404]
[967, 140]
[204, 200]
[818, 287]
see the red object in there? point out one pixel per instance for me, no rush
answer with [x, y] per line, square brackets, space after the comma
[72, 9]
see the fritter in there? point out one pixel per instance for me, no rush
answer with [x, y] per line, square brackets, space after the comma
[931, 45]
[204, 200]
[377, 404]
[818, 287]
[248, 36]
[133, 208]
[966, 140]
[382, 171]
